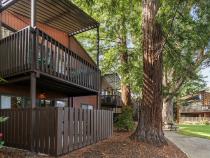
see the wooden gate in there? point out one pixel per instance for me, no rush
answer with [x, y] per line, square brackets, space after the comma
[55, 131]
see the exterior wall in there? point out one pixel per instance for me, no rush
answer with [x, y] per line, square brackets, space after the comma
[15, 90]
[206, 98]
[18, 22]
[88, 100]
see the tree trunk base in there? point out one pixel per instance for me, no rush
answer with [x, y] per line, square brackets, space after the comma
[151, 137]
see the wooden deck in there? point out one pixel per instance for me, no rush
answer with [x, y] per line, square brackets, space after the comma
[50, 58]
[111, 101]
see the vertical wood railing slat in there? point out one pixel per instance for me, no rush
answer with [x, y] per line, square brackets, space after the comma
[57, 130]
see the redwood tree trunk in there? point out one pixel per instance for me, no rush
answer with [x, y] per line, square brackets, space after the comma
[125, 94]
[150, 121]
[167, 112]
[125, 88]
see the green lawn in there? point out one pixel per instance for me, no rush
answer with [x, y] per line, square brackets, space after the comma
[202, 131]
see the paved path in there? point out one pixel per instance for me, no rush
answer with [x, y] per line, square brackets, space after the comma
[192, 146]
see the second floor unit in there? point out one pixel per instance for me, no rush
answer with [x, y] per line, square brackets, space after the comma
[48, 48]
[110, 94]
[196, 103]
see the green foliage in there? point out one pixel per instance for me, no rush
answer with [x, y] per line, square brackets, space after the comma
[2, 80]
[206, 122]
[186, 28]
[119, 20]
[125, 120]
[3, 119]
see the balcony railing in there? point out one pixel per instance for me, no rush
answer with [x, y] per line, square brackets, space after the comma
[111, 100]
[50, 57]
[198, 108]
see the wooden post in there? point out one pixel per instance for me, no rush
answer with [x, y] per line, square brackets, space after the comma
[33, 73]
[70, 101]
[33, 62]
[33, 89]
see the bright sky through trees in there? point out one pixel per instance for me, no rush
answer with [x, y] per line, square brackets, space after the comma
[206, 74]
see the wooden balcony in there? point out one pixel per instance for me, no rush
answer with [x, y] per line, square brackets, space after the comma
[32, 50]
[194, 109]
[111, 101]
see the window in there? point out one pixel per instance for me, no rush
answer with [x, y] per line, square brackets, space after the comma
[87, 107]
[5, 102]
[60, 103]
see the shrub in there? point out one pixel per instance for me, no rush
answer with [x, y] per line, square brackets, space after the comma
[206, 122]
[125, 120]
[2, 119]
[203, 122]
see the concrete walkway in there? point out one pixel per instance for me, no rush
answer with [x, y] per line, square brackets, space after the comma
[192, 146]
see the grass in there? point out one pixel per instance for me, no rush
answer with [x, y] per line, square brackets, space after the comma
[202, 131]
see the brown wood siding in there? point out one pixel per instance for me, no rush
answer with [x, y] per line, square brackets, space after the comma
[88, 100]
[206, 98]
[18, 22]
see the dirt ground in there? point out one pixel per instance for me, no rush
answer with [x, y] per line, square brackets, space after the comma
[118, 146]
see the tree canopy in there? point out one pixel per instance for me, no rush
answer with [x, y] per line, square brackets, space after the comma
[186, 30]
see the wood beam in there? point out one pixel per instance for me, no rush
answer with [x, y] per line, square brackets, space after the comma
[6, 5]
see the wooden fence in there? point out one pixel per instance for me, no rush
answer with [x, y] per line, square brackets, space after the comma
[55, 131]
[194, 119]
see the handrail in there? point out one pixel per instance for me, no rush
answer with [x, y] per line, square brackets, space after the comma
[15, 53]
[195, 109]
[57, 60]
[51, 58]
[112, 100]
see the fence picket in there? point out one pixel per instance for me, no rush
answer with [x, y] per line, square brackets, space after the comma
[57, 131]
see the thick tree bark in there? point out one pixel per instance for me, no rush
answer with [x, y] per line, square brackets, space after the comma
[150, 121]
[168, 111]
[125, 88]
[125, 94]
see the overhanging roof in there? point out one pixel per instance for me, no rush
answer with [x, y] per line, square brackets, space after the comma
[60, 14]
[113, 80]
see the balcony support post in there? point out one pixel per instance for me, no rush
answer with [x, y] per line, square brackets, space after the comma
[33, 90]
[33, 60]
[33, 73]
[70, 102]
